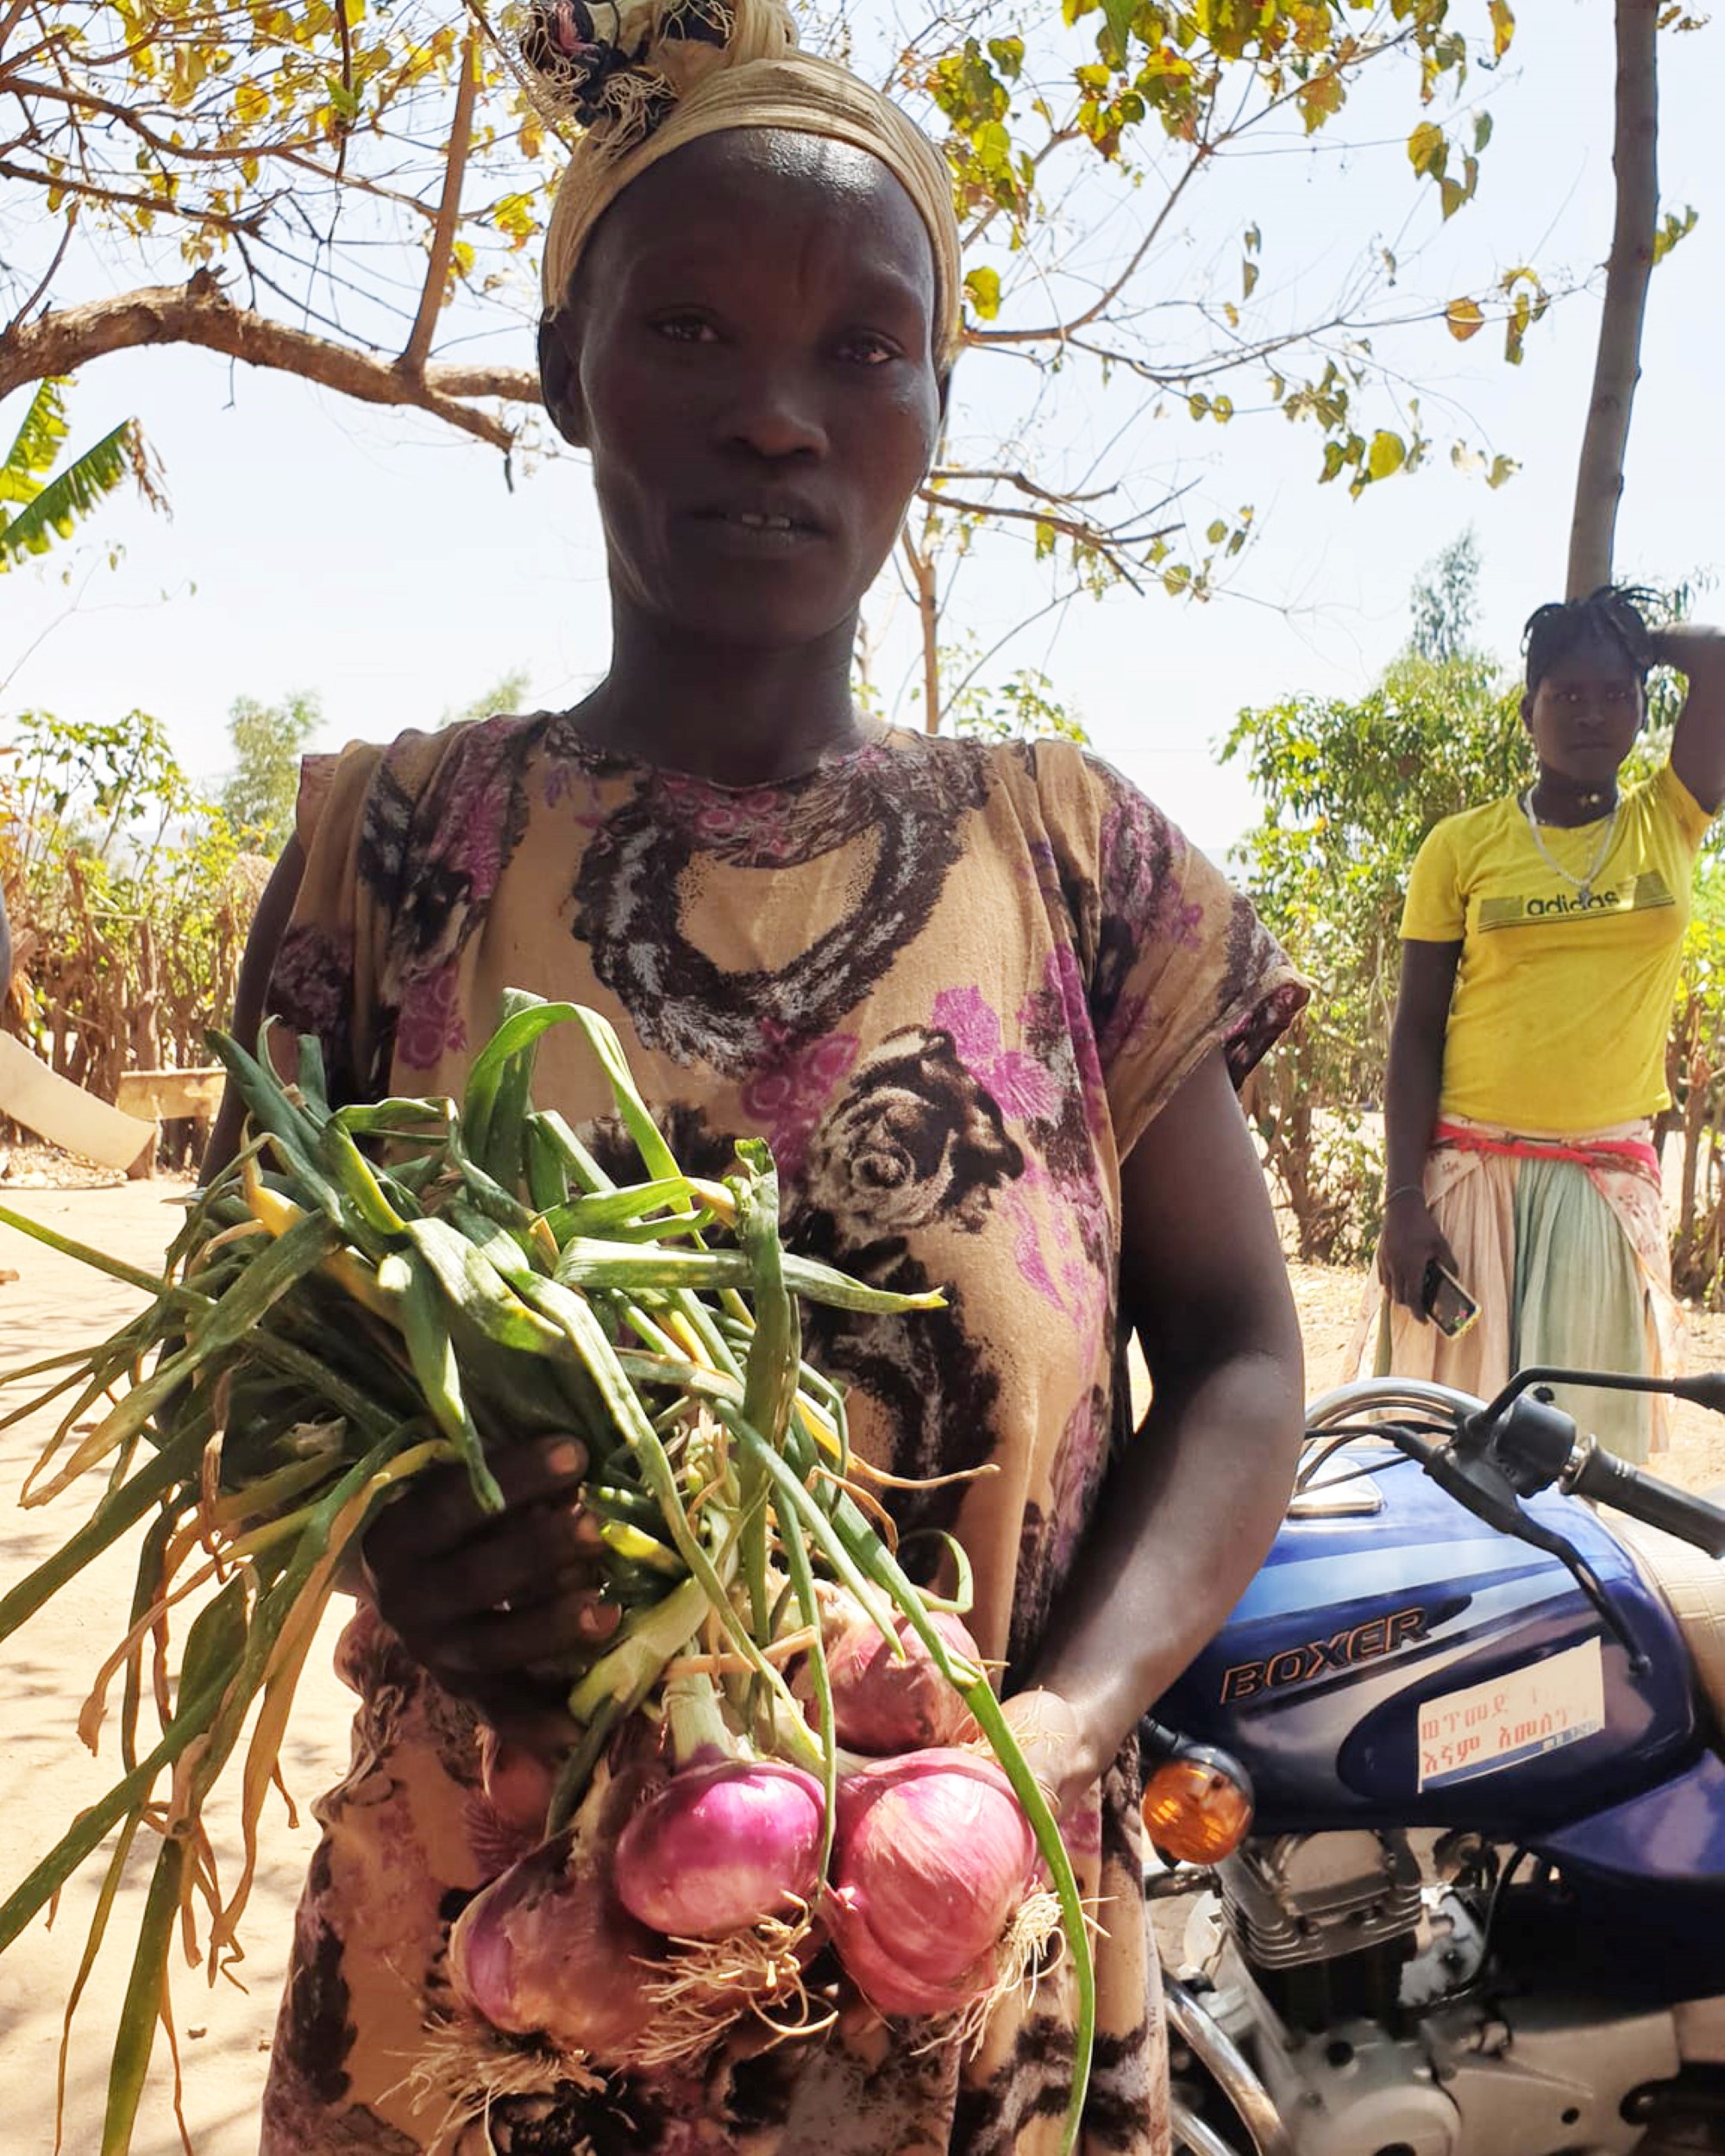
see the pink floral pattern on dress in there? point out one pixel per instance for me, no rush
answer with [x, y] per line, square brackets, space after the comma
[429, 1022]
[788, 1096]
[1022, 1087]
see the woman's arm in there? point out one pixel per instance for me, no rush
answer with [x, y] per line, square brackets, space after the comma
[1195, 1502]
[269, 924]
[1697, 752]
[1411, 1237]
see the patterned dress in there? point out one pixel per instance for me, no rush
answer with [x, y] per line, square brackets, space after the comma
[951, 983]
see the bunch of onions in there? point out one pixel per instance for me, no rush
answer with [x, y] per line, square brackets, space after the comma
[596, 1942]
[934, 1904]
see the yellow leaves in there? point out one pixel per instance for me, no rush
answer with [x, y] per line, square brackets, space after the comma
[1387, 454]
[1465, 318]
[1502, 27]
[1428, 151]
[982, 289]
[1496, 471]
[1673, 227]
[513, 216]
[1321, 98]
[532, 136]
[251, 104]
[1529, 300]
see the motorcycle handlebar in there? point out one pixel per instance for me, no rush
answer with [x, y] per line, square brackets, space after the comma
[1604, 1477]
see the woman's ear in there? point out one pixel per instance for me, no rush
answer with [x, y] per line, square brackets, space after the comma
[560, 376]
[1528, 696]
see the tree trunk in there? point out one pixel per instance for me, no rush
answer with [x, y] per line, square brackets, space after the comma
[1634, 162]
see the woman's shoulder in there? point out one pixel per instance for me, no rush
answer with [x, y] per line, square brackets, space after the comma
[1471, 829]
[340, 784]
[1065, 776]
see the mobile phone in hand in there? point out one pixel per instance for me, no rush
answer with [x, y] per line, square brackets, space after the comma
[1448, 1303]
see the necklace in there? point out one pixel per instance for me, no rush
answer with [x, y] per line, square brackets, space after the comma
[1582, 884]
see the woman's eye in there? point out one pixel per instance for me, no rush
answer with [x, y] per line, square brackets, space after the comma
[869, 350]
[686, 329]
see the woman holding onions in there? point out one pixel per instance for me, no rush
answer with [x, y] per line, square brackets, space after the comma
[985, 1003]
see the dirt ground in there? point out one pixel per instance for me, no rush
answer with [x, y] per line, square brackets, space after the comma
[46, 1775]
[49, 1303]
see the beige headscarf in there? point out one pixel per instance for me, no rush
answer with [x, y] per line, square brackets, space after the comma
[645, 77]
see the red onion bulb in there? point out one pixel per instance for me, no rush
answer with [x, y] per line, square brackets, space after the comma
[931, 1858]
[545, 1949]
[883, 1706]
[720, 1845]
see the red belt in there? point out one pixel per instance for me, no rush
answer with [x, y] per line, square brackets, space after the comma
[1612, 1152]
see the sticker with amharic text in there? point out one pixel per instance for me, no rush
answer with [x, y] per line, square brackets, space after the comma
[1517, 1716]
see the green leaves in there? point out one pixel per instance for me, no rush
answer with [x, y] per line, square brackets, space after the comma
[50, 507]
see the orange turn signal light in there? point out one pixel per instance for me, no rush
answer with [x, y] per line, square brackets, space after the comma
[1197, 1807]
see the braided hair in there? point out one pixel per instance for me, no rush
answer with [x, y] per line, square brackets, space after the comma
[1612, 621]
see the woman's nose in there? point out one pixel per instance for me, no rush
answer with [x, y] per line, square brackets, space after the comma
[777, 419]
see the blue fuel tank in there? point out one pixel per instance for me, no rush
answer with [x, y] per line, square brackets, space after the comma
[1410, 1666]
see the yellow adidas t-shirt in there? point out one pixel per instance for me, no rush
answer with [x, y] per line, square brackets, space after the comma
[1561, 1008]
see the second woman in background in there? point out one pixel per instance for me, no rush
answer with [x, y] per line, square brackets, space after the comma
[1541, 937]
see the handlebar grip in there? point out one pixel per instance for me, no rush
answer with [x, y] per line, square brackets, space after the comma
[1603, 1476]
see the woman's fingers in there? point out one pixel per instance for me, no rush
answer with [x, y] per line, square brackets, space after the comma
[497, 1605]
[523, 1557]
[503, 1642]
[437, 1512]
[1412, 1238]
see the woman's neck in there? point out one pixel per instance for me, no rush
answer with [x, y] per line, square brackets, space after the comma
[720, 711]
[1558, 800]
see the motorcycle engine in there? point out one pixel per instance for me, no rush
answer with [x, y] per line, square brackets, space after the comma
[1325, 1920]
[1350, 1970]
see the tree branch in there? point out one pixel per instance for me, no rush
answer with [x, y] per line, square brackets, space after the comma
[200, 313]
[88, 192]
[418, 346]
[1617, 366]
[926, 591]
[1113, 545]
[48, 275]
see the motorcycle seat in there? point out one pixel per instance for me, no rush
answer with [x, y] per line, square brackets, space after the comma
[1693, 1587]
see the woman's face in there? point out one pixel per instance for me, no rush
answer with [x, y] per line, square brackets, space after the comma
[1585, 714]
[749, 356]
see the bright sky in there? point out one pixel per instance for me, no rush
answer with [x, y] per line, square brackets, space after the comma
[380, 562]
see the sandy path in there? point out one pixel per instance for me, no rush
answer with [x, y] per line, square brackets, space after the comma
[46, 1775]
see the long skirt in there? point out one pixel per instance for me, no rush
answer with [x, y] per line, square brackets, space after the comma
[1563, 1244]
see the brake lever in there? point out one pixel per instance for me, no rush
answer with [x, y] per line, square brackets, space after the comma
[1478, 1482]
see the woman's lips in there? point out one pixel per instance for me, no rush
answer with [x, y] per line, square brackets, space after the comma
[755, 532]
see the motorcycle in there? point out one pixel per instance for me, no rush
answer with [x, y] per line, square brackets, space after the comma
[1443, 1806]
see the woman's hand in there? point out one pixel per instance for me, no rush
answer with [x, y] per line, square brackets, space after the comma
[496, 1605]
[1053, 1741]
[1411, 1239]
